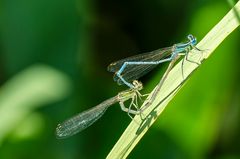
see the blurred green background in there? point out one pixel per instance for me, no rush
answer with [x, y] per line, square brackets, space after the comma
[53, 59]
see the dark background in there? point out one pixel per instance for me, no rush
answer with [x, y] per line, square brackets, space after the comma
[53, 60]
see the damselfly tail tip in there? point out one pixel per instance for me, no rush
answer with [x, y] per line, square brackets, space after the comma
[137, 84]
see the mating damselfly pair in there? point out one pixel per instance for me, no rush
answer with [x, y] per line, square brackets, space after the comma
[128, 71]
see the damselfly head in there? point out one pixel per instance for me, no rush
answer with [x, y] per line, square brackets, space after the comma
[192, 39]
[137, 85]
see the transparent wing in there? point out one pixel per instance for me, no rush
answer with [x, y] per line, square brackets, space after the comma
[133, 72]
[83, 120]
